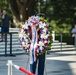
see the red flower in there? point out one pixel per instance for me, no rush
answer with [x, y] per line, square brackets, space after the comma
[34, 24]
[30, 29]
[23, 47]
[29, 47]
[49, 36]
[36, 52]
[46, 44]
[47, 27]
[43, 50]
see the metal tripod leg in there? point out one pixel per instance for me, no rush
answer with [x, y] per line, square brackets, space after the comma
[45, 65]
[27, 65]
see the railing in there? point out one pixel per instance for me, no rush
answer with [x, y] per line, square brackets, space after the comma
[61, 38]
[10, 33]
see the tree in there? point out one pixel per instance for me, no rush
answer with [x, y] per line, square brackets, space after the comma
[22, 8]
[62, 12]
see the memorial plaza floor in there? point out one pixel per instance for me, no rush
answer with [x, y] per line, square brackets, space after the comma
[57, 63]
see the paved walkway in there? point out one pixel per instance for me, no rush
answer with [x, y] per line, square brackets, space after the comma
[57, 63]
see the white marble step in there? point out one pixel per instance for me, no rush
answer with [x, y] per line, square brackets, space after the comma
[63, 49]
[52, 47]
[58, 43]
[8, 47]
[17, 42]
[8, 43]
[12, 29]
[23, 52]
[13, 49]
[16, 53]
[63, 46]
[14, 36]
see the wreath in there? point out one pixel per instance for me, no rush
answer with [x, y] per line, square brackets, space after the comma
[35, 34]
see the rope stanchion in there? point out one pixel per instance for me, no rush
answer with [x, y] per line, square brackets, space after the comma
[9, 67]
[18, 68]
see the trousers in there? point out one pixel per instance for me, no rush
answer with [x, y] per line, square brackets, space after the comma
[40, 60]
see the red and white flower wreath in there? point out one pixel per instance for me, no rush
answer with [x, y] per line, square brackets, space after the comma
[38, 25]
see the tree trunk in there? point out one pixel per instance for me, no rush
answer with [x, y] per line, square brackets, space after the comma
[22, 9]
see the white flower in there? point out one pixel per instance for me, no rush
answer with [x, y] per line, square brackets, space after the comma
[44, 30]
[48, 41]
[26, 40]
[25, 35]
[20, 35]
[41, 25]
[45, 41]
[26, 44]
[46, 36]
[23, 43]
[41, 47]
[25, 26]
[43, 36]
[41, 43]
[44, 24]
[22, 31]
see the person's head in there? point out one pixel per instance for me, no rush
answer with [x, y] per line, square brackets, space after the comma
[75, 26]
[41, 15]
[4, 11]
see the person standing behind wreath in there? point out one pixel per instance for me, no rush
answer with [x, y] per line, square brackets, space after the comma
[74, 33]
[40, 60]
[5, 23]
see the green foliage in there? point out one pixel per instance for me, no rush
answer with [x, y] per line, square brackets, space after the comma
[61, 13]
[60, 28]
[5, 5]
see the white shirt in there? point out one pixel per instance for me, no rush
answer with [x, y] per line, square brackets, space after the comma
[74, 31]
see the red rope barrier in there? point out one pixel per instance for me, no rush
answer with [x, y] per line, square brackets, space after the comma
[25, 71]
